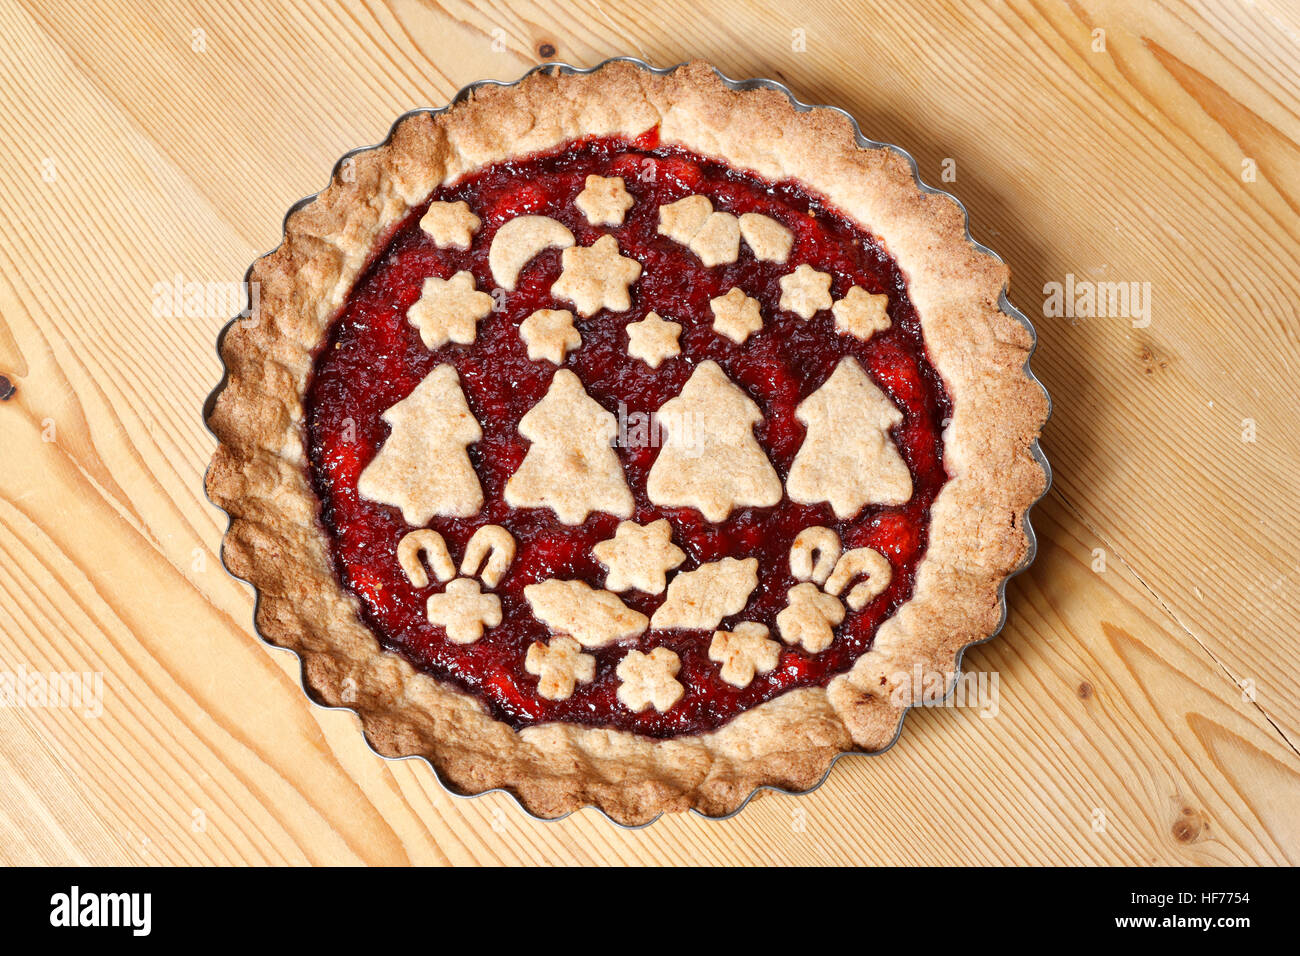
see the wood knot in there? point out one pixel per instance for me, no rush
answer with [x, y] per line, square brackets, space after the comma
[546, 50]
[1085, 691]
[1151, 362]
[1189, 826]
[7, 389]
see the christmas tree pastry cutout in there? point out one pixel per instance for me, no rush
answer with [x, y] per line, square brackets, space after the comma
[847, 457]
[710, 459]
[423, 468]
[570, 467]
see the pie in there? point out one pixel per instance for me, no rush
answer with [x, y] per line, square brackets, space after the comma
[627, 439]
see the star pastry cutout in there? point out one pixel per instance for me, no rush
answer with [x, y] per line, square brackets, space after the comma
[861, 314]
[767, 239]
[808, 617]
[449, 310]
[653, 339]
[736, 315]
[744, 653]
[639, 556]
[596, 277]
[604, 200]
[549, 335]
[649, 680]
[451, 225]
[805, 292]
[559, 667]
[464, 611]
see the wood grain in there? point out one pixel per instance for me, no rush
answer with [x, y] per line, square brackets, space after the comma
[1148, 712]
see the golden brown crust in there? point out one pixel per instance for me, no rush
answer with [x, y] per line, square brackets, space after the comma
[977, 537]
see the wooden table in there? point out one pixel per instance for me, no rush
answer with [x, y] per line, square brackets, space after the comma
[1149, 709]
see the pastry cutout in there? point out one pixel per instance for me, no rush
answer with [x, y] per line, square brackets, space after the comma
[451, 225]
[493, 543]
[861, 314]
[653, 339]
[423, 468]
[767, 239]
[736, 315]
[431, 545]
[549, 335]
[649, 679]
[700, 599]
[570, 467]
[639, 557]
[744, 653]
[592, 618]
[847, 457]
[449, 310]
[813, 555]
[604, 200]
[596, 277]
[463, 611]
[805, 292]
[520, 241]
[713, 236]
[809, 617]
[559, 667]
[857, 563]
[710, 459]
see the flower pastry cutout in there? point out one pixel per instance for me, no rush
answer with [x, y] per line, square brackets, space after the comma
[451, 225]
[592, 618]
[559, 667]
[597, 277]
[861, 314]
[736, 315]
[604, 200]
[744, 653]
[713, 236]
[653, 339]
[464, 611]
[449, 310]
[805, 292]
[639, 557]
[649, 680]
[549, 335]
[520, 241]
[700, 599]
[767, 239]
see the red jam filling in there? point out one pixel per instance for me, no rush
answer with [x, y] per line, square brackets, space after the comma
[373, 358]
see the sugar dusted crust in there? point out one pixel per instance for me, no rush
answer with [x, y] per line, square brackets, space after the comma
[259, 472]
